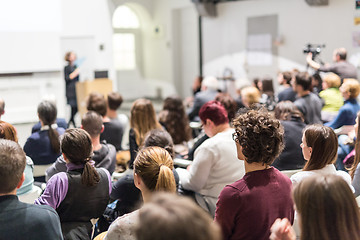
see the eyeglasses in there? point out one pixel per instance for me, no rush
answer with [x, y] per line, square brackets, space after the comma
[235, 136]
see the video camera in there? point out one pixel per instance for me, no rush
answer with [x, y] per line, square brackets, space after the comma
[315, 49]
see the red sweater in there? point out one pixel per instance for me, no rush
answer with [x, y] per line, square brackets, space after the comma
[247, 208]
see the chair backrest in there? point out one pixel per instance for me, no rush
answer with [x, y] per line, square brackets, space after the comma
[289, 173]
[39, 170]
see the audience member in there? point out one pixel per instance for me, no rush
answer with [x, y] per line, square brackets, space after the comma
[229, 104]
[355, 168]
[43, 147]
[209, 87]
[215, 163]
[326, 209]
[307, 102]
[104, 155]
[350, 90]
[331, 96]
[176, 218]
[80, 194]
[292, 120]
[316, 83]
[113, 130]
[250, 96]
[2, 107]
[287, 94]
[7, 131]
[152, 173]
[20, 220]
[176, 122]
[247, 208]
[267, 93]
[319, 147]
[142, 120]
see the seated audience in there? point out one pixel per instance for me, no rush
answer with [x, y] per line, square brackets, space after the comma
[124, 190]
[152, 172]
[215, 163]
[316, 83]
[350, 90]
[43, 147]
[176, 122]
[7, 131]
[104, 155]
[61, 122]
[291, 119]
[20, 220]
[2, 107]
[229, 104]
[331, 96]
[355, 157]
[142, 120]
[209, 87]
[287, 94]
[247, 208]
[326, 209]
[176, 218]
[81, 193]
[267, 93]
[113, 130]
[250, 96]
[307, 102]
[319, 147]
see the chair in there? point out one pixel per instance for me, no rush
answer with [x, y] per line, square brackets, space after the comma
[289, 173]
[39, 170]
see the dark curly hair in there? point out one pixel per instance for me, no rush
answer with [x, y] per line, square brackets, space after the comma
[260, 135]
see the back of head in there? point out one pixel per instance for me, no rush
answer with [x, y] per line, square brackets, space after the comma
[214, 111]
[2, 106]
[267, 86]
[332, 80]
[210, 82]
[92, 123]
[47, 113]
[7, 131]
[304, 80]
[342, 53]
[114, 100]
[154, 166]
[327, 208]
[12, 165]
[96, 102]
[324, 144]
[173, 104]
[251, 94]
[260, 135]
[351, 86]
[285, 110]
[159, 138]
[143, 118]
[177, 218]
[228, 102]
[76, 145]
[287, 77]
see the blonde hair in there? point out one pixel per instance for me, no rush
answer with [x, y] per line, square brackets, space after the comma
[154, 166]
[352, 86]
[332, 80]
[252, 94]
[143, 119]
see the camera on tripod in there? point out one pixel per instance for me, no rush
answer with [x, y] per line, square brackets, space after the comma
[315, 49]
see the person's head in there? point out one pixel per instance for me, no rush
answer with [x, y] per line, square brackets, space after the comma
[47, 113]
[327, 208]
[70, 57]
[339, 54]
[92, 123]
[258, 136]
[177, 218]
[173, 103]
[7, 131]
[142, 119]
[160, 138]
[153, 170]
[2, 107]
[256, 83]
[357, 146]
[319, 146]
[76, 147]
[267, 86]
[285, 110]
[250, 96]
[228, 102]
[114, 100]
[96, 102]
[302, 82]
[284, 78]
[212, 114]
[350, 89]
[12, 165]
[209, 82]
[331, 80]
[316, 82]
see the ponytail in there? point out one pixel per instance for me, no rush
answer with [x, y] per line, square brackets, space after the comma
[54, 139]
[166, 180]
[89, 177]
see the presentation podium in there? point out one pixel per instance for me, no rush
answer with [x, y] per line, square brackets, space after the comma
[83, 89]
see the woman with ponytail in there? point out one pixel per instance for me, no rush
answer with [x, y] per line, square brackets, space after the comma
[152, 173]
[43, 147]
[81, 193]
